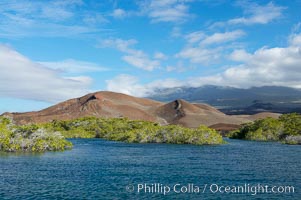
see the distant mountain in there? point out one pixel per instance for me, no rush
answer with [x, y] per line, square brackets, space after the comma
[114, 105]
[236, 100]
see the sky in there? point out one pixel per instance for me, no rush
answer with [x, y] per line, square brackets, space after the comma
[51, 51]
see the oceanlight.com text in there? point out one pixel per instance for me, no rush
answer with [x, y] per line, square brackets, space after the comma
[214, 188]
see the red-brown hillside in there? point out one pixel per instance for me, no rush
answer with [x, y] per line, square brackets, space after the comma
[113, 105]
[99, 104]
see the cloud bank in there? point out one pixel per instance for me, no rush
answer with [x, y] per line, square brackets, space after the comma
[276, 66]
[25, 79]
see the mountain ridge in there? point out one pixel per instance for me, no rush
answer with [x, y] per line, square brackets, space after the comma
[232, 100]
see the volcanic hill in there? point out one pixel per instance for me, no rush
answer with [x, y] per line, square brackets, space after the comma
[113, 105]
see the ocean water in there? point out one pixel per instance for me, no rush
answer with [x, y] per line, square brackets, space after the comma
[99, 169]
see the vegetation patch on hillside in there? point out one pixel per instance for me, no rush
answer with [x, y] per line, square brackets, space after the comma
[286, 129]
[51, 136]
[29, 138]
[123, 129]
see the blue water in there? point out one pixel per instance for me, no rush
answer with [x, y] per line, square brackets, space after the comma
[99, 169]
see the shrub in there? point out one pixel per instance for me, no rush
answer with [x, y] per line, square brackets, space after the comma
[29, 138]
[123, 129]
[287, 129]
[293, 139]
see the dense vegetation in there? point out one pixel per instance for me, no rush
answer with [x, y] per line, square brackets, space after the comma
[286, 129]
[123, 129]
[29, 138]
[50, 136]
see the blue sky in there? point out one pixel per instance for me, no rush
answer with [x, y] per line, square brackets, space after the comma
[51, 51]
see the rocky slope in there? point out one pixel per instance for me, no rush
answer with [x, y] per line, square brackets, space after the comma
[114, 105]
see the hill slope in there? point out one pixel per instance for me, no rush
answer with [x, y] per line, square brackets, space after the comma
[114, 105]
[99, 104]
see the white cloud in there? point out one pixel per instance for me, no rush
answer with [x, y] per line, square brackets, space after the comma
[195, 37]
[12, 30]
[295, 40]
[222, 37]
[94, 19]
[178, 68]
[126, 84]
[259, 14]
[56, 13]
[170, 68]
[200, 55]
[54, 10]
[274, 66]
[119, 44]
[200, 48]
[240, 55]
[26, 79]
[160, 56]
[74, 66]
[265, 67]
[119, 13]
[142, 62]
[255, 14]
[176, 32]
[130, 85]
[47, 19]
[134, 57]
[167, 10]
